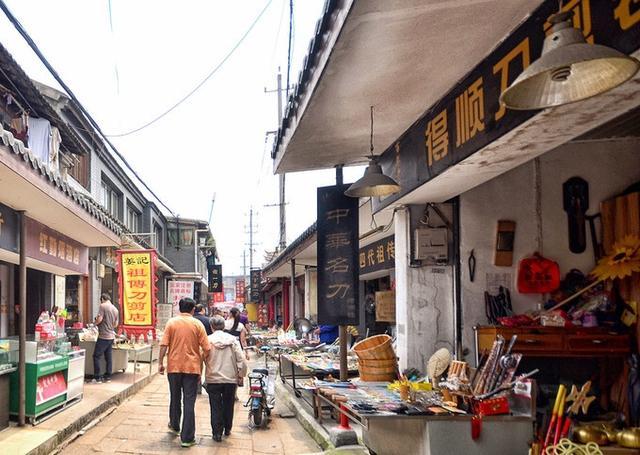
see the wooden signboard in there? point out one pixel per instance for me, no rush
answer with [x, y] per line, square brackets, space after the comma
[386, 306]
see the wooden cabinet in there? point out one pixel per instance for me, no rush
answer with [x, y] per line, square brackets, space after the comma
[557, 341]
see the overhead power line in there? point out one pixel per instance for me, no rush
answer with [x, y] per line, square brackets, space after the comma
[16, 23]
[207, 77]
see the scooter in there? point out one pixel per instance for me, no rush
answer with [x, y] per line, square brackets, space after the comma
[261, 392]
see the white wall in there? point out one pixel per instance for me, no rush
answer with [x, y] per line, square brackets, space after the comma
[424, 303]
[608, 168]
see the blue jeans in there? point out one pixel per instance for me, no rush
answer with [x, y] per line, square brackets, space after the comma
[102, 347]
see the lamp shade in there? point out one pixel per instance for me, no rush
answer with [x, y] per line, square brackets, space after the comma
[568, 70]
[373, 183]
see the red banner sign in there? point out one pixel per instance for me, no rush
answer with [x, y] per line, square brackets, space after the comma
[50, 386]
[137, 282]
[240, 286]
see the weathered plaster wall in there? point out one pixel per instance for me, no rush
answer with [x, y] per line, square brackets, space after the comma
[424, 303]
[608, 167]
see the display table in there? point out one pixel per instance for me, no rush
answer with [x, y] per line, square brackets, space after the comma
[120, 358]
[435, 435]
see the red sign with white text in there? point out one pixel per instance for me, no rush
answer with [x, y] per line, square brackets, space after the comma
[50, 386]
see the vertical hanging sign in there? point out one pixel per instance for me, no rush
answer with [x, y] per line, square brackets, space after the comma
[255, 279]
[337, 257]
[136, 278]
[215, 277]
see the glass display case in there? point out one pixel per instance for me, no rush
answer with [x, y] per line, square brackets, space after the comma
[8, 355]
[38, 351]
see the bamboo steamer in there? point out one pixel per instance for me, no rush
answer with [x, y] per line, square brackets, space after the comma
[377, 347]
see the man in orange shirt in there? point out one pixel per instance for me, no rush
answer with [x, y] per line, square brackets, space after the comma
[185, 341]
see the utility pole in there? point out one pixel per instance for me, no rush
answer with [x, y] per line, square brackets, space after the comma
[283, 216]
[282, 244]
[251, 239]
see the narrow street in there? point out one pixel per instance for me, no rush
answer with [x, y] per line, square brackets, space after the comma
[139, 426]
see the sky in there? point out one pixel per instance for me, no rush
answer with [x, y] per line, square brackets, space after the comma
[129, 61]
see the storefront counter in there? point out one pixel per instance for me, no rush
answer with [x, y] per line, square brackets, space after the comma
[5, 396]
[431, 435]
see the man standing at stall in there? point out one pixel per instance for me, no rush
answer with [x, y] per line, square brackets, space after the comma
[107, 321]
[185, 344]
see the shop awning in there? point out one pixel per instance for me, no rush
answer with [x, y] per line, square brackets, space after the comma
[400, 57]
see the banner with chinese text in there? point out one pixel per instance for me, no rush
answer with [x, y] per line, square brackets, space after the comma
[379, 255]
[255, 278]
[136, 278]
[338, 267]
[470, 115]
[240, 288]
[177, 290]
[215, 277]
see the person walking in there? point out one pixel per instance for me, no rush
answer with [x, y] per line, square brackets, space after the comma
[234, 327]
[202, 317]
[106, 321]
[185, 344]
[225, 370]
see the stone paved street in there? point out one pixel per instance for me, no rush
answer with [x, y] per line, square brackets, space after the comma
[139, 426]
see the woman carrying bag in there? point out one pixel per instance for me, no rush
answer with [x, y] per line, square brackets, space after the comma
[225, 370]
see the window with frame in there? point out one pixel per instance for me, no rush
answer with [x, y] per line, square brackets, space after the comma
[80, 170]
[133, 219]
[156, 239]
[111, 200]
[180, 237]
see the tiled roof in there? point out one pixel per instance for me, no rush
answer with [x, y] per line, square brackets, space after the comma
[55, 179]
[289, 251]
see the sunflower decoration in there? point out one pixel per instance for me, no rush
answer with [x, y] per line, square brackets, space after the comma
[622, 262]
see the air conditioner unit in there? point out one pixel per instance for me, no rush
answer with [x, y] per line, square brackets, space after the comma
[431, 246]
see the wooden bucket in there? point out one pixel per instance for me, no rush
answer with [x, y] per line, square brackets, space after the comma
[378, 363]
[377, 347]
[378, 374]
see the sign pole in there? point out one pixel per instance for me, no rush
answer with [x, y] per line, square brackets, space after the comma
[344, 370]
[22, 292]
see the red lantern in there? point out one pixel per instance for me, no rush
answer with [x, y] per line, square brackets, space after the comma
[537, 275]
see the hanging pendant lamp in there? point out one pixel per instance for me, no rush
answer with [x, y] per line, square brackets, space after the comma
[373, 182]
[568, 70]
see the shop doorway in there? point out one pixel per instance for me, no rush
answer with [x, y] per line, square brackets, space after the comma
[36, 283]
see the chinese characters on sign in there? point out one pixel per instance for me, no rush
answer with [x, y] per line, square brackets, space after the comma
[215, 277]
[337, 257]
[255, 279]
[137, 289]
[176, 291]
[47, 245]
[470, 115]
[240, 288]
[380, 255]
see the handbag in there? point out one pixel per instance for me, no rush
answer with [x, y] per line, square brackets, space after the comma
[239, 379]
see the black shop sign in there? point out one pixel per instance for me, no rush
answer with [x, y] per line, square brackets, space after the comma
[470, 116]
[215, 277]
[379, 255]
[9, 229]
[337, 257]
[255, 277]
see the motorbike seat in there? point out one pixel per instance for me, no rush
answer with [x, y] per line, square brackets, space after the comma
[263, 371]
